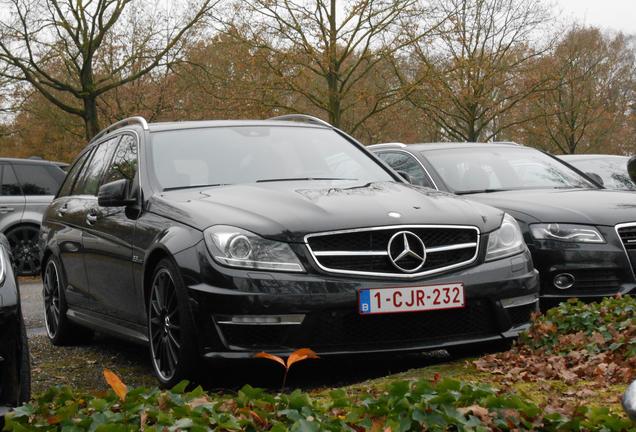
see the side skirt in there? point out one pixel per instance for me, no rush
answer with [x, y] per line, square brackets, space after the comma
[131, 332]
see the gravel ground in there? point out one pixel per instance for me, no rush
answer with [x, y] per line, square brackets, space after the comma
[81, 366]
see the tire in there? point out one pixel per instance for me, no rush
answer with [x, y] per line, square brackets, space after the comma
[25, 366]
[173, 352]
[60, 330]
[25, 249]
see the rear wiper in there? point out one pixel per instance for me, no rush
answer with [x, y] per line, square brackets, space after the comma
[476, 191]
[301, 179]
[195, 186]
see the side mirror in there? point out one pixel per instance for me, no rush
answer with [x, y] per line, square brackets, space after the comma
[629, 399]
[631, 168]
[597, 178]
[405, 176]
[115, 194]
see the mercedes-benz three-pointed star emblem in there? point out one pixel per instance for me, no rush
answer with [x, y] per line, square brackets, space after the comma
[406, 251]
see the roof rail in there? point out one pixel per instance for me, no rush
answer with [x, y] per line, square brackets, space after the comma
[387, 145]
[138, 120]
[504, 142]
[302, 117]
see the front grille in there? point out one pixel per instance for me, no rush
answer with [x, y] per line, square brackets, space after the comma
[627, 233]
[349, 330]
[366, 251]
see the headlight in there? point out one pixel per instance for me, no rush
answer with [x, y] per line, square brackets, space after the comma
[506, 241]
[236, 247]
[566, 233]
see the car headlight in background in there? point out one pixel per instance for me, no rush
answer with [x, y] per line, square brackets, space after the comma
[506, 241]
[566, 233]
[235, 247]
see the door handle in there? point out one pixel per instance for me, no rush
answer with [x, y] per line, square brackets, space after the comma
[5, 210]
[91, 218]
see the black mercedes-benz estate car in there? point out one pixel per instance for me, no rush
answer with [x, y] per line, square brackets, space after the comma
[219, 239]
[15, 365]
[582, 237]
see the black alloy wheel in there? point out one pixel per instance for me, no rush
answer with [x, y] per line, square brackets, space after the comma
[58, 327]
[164, 326]
[52, 299]
[25, 249]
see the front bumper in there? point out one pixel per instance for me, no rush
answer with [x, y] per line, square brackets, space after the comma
[500, 297]
[599, 270]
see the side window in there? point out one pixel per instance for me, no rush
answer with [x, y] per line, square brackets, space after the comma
[404, 162]
[124, 165]
[67, 186]
[90, 177]
[38, 179]
[9, 185]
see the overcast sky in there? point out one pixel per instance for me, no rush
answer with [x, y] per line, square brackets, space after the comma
[609, 14]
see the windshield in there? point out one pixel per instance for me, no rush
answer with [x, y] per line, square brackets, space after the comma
[613, 171]
[474, 170]
[246, 154]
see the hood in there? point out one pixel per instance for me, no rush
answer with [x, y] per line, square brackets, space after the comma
[578, 206]
[288, 211]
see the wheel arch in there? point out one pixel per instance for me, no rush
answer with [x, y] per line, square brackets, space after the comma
[150, 263]
[20, 224]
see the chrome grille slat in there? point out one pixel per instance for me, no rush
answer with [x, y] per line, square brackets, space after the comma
[627, 234]
[374, 260]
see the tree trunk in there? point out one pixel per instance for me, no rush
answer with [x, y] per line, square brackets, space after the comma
[91, 123]
[332, 75]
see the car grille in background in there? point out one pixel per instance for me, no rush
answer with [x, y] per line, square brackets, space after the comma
[364, 251]
[627, 233]
[346, 329]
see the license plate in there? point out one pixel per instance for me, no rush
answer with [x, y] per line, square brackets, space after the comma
[411, 299]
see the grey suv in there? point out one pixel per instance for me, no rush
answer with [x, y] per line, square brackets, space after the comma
[26, 188]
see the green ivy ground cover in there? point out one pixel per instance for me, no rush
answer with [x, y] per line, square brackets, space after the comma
[450, 399]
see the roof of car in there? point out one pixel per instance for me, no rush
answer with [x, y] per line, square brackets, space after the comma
[443, 145]
[165, 126]
[576, 157]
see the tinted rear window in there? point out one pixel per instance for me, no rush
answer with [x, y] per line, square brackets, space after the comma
[39, 179]
[8, 182]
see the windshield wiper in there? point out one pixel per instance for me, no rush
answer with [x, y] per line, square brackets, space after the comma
[301, 179]
[476, 191]
[195, 186]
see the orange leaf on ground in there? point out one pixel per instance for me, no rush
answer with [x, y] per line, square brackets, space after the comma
[116, 384]
[271, 357]
[300, 355]
[53, 420]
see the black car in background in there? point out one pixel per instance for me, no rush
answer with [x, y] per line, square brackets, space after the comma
[582, 237]
[15, 365]
[611, 169]
[219, 239]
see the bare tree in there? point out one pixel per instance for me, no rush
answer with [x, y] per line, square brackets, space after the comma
[333, 54]
[480, 66]
[57, 46]
[592, 96]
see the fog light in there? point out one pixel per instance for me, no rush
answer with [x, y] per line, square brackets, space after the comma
[563, 281]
